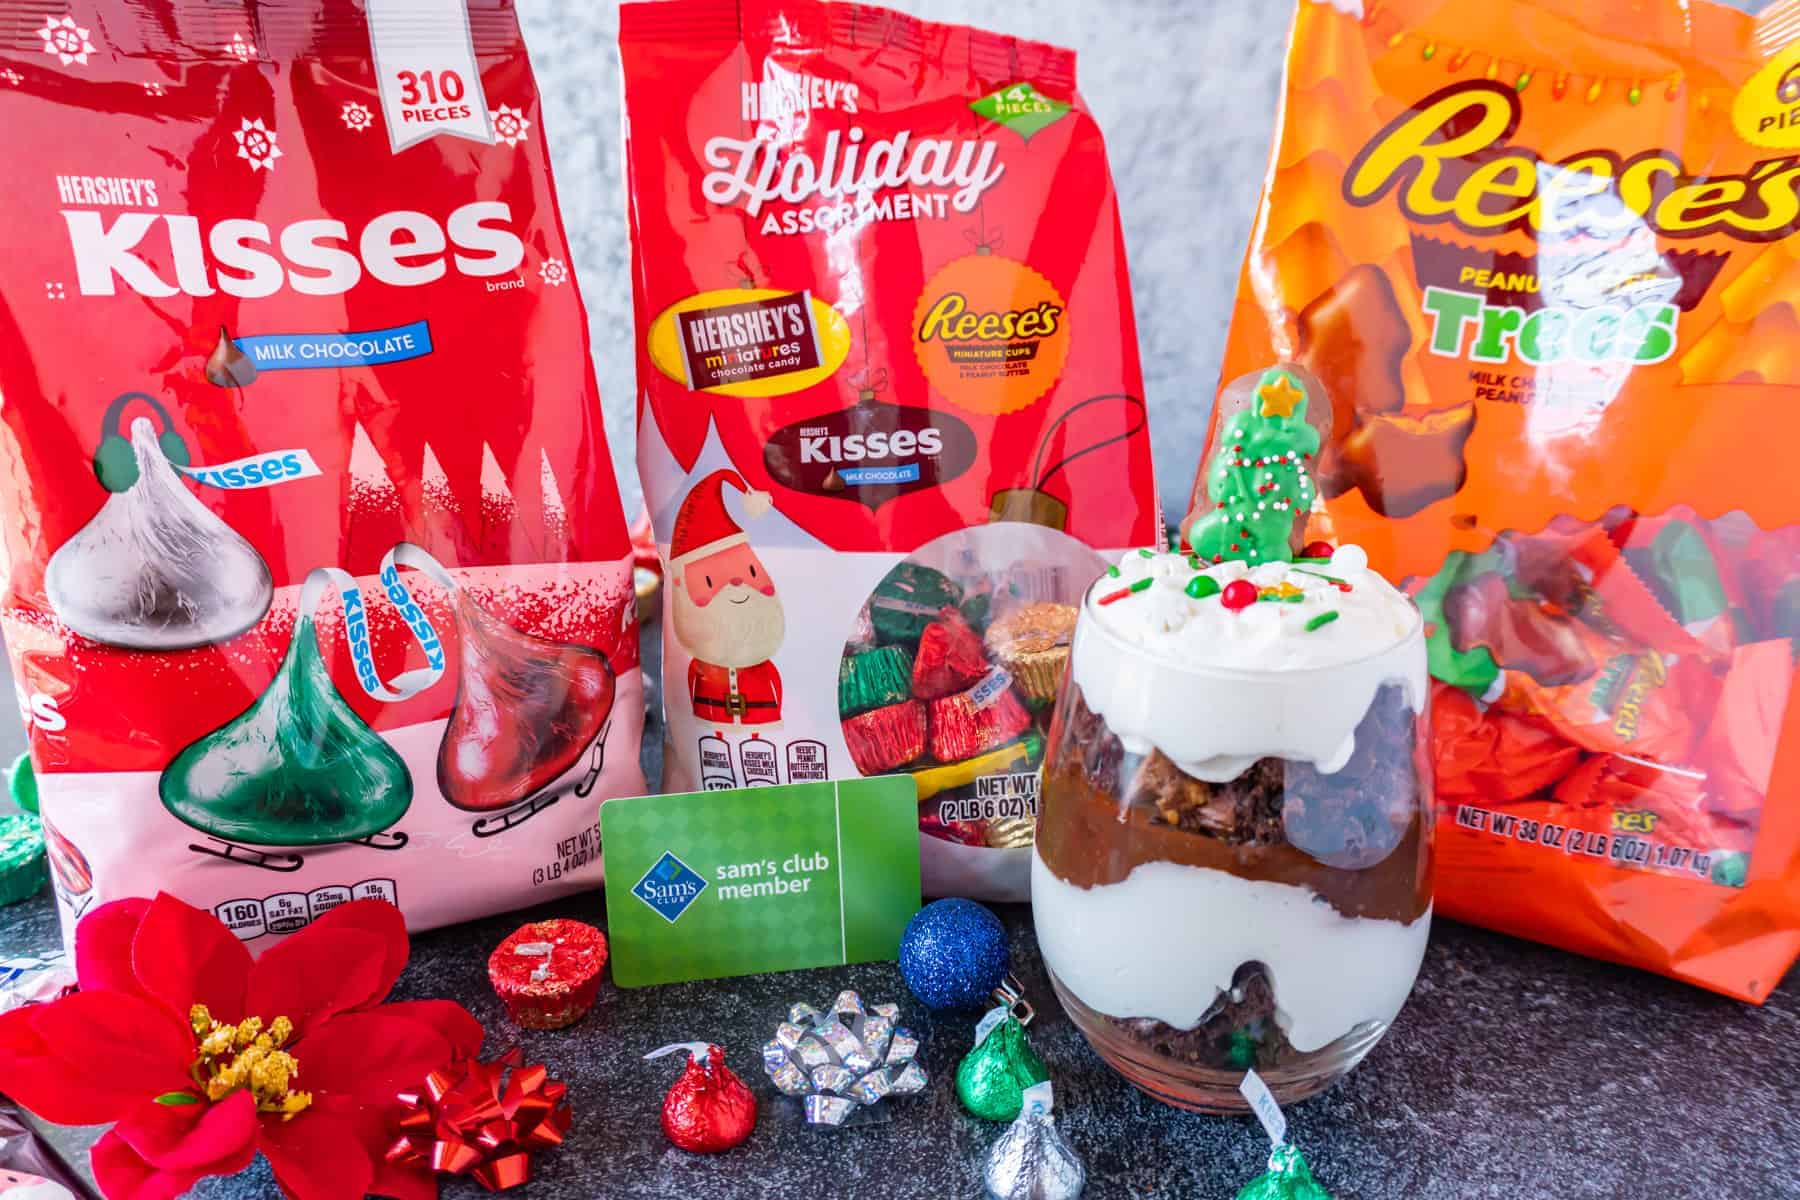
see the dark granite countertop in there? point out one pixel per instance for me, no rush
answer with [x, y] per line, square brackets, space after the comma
[1515, 1072]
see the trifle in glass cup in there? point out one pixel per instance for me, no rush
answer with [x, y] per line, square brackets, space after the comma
[1233, 865]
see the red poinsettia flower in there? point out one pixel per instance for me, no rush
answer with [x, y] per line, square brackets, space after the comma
[202, 1057]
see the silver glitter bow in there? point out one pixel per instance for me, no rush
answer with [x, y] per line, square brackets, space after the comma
[843, 1061]
[1030, 1161]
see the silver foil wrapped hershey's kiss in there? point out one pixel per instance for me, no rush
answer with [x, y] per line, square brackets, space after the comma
[1031, 1161]
[843, 1062]
[155, 569]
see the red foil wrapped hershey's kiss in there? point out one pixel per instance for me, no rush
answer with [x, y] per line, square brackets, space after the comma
[708, 1109]
[547, 973]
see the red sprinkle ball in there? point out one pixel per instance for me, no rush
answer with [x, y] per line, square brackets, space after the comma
[1318, 550]
[1239, 594]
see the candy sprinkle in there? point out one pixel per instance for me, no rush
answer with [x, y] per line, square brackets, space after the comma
[1112, 572]
[1123, 592]
[1238, 595]
[1342, 585]
[1202, 586]
[1323, 619]
[1142, 553]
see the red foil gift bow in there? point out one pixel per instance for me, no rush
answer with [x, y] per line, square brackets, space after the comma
[468, 1120]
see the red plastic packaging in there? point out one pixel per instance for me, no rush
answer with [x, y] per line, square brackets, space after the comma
[316, 566]
[1543, 257]
[888, 365]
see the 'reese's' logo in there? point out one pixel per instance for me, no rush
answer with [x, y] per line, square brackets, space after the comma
[991, 333]
[1448, 160]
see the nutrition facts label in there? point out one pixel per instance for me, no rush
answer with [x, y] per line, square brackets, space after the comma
[285, 912]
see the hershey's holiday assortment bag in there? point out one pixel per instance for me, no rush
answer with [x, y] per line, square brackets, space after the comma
[890, 401]
[1544, 257]
[318, 583]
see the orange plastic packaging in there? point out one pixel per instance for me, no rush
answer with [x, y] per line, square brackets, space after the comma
[1543, 257]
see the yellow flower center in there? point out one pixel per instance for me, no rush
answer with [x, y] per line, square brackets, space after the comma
[245, 1055]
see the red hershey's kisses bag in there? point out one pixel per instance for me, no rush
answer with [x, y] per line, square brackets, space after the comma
[891, 403]
[319, 585]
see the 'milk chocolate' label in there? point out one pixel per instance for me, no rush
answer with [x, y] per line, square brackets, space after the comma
[741, 343]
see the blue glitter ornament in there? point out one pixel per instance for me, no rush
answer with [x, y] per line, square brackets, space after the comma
[953, 954]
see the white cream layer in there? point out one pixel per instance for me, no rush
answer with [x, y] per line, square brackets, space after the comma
[1166, 940]
[1216, 689]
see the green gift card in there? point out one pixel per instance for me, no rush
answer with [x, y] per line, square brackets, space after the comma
[709, 884]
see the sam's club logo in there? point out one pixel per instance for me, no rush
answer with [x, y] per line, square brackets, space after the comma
[669, 887]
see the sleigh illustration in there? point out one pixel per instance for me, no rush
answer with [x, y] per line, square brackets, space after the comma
[528, 711]
[297, 770]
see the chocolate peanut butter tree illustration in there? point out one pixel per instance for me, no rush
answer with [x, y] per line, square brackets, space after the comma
[727, 613]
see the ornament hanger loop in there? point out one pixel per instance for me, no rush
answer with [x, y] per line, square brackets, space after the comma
[697, 1050]
[1010, 995]
[1042, 476]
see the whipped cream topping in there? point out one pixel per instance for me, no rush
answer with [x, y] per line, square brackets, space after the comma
[1176, 627]
[1216, 688]
[1166, 940]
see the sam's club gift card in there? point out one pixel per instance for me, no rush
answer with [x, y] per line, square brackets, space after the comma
[708, 884]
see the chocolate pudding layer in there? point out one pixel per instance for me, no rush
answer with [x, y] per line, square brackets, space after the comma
[1357, 837]
[1239, 1031]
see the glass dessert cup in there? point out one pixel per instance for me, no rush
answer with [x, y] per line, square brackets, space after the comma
[1233, 865]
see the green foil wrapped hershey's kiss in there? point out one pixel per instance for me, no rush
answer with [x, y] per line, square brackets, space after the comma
[991, 1081]
[21, 784]
[296, 768]
[874, 679]
[909, 598]
[22, 870]
[1286, 1179]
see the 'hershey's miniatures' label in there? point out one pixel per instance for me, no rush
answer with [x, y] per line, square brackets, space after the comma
[741, 343]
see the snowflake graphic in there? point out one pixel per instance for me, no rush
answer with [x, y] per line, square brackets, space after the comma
[67, 40]
[242, 48]
[256, 145]
[53, 290]
[357, 117]
[12, 77]
[553, 272]
[510, 125]
[153, 88]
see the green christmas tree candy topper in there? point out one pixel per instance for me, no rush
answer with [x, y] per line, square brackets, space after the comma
[1258, 479]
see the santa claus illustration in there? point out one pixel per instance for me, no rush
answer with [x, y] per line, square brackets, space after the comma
[726, 613]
